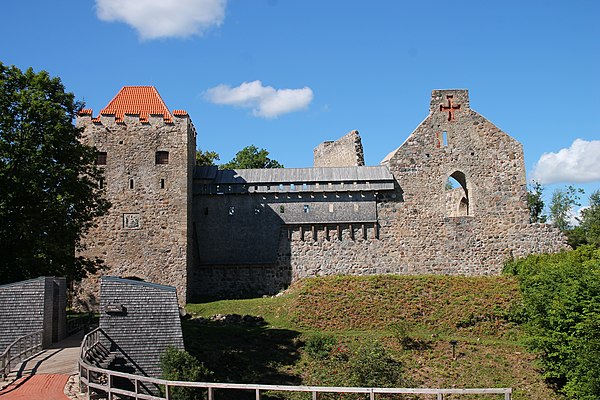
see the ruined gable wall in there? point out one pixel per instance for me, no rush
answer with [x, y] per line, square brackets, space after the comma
[344, 152]
[156, 244]
[417, 234]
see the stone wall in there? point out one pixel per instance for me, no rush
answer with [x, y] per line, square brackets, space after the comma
[141, 319]
[344, 152]
[32, 305]
[147, 233]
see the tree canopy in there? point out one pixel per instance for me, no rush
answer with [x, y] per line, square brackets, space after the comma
[251, 157]
[49, 185]
[561, 313]
[206, 158]
[561, 206]
[535, 203]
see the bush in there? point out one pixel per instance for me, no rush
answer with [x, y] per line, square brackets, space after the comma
[319, 345]
[371, 365]
[561, 310]
[179, 365]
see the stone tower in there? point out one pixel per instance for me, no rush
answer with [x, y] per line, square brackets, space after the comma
[148, 156]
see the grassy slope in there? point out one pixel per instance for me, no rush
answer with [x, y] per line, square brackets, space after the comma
[435, 309]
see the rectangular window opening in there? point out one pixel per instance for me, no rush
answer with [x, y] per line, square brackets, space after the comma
[162, 183]
[101, 158]
[306, 208]
[101, 183]
[331, 208]
[444, 138]
[162, 157]
[131, 184]
[281, 209]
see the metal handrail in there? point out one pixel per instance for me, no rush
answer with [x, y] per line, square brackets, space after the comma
[21, 348]
[102, 380]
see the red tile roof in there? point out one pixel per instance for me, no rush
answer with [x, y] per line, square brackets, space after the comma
[85, 111]
[138, 100]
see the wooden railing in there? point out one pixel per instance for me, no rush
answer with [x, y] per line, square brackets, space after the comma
[102, 383]
[22, 348]
[78, 323]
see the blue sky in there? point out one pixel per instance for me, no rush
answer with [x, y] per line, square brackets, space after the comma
[286, 75]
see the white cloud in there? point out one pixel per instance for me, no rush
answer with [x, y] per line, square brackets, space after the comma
[265, 101]
[579, 163]
[164, 18]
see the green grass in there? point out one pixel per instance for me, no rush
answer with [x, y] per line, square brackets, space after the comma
[478, 312]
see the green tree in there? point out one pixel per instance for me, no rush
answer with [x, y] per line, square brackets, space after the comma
[561, 206]
[251, 157]
[561, 300]
[536, 203]
[49, 194]
[590, 220]
[206, 158]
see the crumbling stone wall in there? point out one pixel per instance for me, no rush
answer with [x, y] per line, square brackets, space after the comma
[418, 234]
[344, 152]
[147, 233]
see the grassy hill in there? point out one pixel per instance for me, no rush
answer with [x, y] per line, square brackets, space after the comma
[320, 327]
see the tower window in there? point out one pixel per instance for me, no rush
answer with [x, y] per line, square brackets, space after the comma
[162, 157]
[101, 158]
[101, 183]
[162, 183]
[131, 184]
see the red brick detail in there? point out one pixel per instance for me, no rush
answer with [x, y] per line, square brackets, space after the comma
[450, 108]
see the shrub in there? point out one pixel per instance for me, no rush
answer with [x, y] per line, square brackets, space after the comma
[561, 305]
[179, 365]
[319, 345]
[371, 365]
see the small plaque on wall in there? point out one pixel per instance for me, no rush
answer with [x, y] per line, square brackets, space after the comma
[131, 221]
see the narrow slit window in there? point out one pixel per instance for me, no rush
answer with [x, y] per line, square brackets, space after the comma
[131, 184]
[162, 183]
[162, 157]
[306, 208]
[101, 183]
[331, 208]
[281, 209]
[445, 138]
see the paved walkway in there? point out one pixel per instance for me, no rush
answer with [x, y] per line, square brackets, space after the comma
[44, 376]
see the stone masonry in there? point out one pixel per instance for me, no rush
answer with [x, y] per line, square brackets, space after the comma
[248, 232]
[147, 155]
[344, 152]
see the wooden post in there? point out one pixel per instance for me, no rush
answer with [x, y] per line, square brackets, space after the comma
[109, 382]
[210, 394]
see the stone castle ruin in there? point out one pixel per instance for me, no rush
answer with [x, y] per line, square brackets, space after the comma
[213, 233]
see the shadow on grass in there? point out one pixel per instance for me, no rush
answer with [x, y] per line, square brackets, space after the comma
[244, 354]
